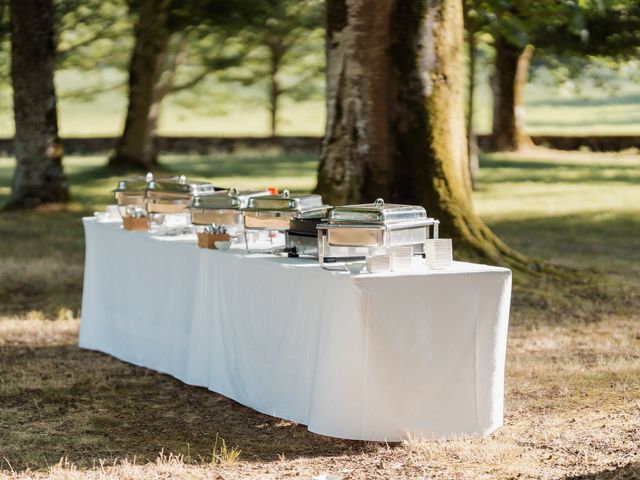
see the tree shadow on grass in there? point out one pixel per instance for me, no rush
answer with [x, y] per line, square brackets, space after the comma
[61, 401]
[630, 471]
[41, 262]
[548, 125]
[601, 240]
[522, 171]
[582, 102]
[245, 166]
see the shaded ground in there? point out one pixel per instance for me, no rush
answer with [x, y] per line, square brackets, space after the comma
[573, 367]
[572, 403]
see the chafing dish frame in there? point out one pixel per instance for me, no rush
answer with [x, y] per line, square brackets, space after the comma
[167, 202]
[345, 241]
[230, 215]
[277, 219]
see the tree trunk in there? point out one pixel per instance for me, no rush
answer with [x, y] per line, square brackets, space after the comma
[277, 50]
[136, 147]
[39, 176]
[510, 78]
[395, 115]
[472, 147]
[173, 58]
[522, 77]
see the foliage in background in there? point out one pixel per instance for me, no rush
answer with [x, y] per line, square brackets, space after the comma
[280, 54]
[93, 37]
[91, 77]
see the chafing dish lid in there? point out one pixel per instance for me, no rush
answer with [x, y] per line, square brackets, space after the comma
[227, 199]
[180, 185]
[377, 213]
[134, 184]
[302, 204]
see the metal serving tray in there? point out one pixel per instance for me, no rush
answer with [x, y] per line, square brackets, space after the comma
[174, 196]
[275, 211]
[222, 207]
[131, 191]
[355, 231]
[272, 215]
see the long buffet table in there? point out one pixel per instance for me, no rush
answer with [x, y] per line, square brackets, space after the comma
[367, 357]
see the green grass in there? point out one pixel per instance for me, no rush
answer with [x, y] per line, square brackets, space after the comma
[574, 209]
[550, 109]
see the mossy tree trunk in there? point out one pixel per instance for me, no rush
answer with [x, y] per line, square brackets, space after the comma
[510, 78]
[395, 125]
[136, 147]
[39, 176]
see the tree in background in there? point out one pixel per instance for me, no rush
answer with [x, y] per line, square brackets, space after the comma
[508, 82]
[5, 62]
[276, 52]
[395, 115]
[93, 37]
[606, 28]
[39, 176]
[136, 148]
[611, 39]
[161, 33]
[516, 28]
[284, 53]
[475, 19]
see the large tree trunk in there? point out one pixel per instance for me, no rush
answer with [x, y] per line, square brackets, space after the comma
[136, 147]
[510, 78]
[395, 115]
[39, 177]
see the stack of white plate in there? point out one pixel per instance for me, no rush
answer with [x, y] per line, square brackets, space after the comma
[379, 263]
[401, 257]
[439, 252]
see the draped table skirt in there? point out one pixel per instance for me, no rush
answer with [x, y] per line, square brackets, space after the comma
[366, 357]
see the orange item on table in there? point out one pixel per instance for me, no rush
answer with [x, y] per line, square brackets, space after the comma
[273, 190]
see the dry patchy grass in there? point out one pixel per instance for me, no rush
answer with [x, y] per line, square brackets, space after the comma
[572, 408]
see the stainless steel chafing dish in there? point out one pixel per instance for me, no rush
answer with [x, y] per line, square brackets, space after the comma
[222, 207]
[130, 192]
[174, 195]
[355, 231]
[266, 218]
[130, 195]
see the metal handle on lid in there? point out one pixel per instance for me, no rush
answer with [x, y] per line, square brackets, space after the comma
[233, 191]
[182, 179]
[285, 194]
[149, 176]
[379, 202]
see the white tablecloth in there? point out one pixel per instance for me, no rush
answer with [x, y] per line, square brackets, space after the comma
[368, 357]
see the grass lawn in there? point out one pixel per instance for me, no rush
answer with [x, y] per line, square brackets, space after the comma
[550, 109]
[572, 380]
